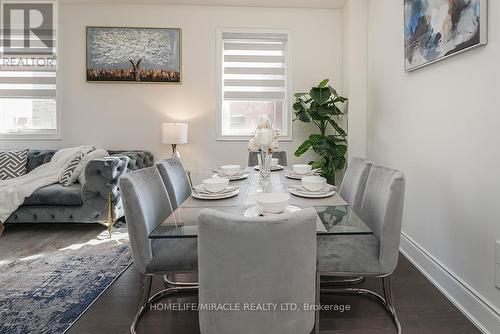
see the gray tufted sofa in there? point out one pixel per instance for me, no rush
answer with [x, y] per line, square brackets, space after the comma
[80, 203]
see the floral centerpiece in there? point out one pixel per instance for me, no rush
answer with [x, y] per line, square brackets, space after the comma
[264, 142]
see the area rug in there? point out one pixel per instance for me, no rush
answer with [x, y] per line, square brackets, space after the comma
[50, 273]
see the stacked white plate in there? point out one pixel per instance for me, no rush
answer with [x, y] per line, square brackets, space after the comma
[300, 191]
[242, 174]
[292, 175]
[200, 192]
[256, 211]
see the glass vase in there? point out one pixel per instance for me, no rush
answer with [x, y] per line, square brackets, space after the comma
[264, 159]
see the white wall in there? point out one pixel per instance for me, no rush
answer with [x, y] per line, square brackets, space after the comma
[439, 125]
[355, 66]
[122, 116]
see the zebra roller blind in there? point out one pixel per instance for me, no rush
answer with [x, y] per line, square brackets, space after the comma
[28, 75]
[28, 81]
[254, 66]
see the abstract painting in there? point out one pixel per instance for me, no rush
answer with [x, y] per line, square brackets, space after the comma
[437, 29]
[133, 54]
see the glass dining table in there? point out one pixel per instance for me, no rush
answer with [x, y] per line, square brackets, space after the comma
[335, 217]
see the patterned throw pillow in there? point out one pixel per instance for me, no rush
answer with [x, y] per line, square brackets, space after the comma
[66, 175]
[13, 164]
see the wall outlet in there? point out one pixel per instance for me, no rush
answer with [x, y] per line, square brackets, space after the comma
[497, 264]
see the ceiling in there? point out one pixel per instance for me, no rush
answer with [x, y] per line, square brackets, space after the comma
[237, 3]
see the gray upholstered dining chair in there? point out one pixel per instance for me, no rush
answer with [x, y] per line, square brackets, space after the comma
[280, 155]
[145, 201]
[354, 182]
[256, 260]
[370, 255]
[176, 180]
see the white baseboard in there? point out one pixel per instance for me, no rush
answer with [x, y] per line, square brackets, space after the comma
[484, 315]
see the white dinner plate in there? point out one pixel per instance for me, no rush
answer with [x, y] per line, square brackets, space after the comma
[278, 167]
[256, 211]
[311, 194]
[215, 196]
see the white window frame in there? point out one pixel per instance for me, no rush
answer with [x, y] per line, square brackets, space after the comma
[286, 106]
[34, 134]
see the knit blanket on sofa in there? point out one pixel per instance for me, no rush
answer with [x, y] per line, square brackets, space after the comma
[14, 191]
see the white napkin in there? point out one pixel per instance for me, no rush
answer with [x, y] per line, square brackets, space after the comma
[202, 191]
[311, 173]
[301, 189]
[220, 173]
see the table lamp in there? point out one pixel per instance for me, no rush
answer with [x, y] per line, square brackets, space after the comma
[174, 134]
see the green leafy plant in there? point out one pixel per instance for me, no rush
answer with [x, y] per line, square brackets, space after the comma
[319, 106]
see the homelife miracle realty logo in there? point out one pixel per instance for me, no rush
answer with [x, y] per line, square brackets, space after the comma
[28, 32]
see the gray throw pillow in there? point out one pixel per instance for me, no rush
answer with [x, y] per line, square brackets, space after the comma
[13, 164]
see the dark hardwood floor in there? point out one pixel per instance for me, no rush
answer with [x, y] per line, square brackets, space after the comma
[421, 308]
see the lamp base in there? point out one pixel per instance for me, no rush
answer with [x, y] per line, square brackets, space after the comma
[175, 152]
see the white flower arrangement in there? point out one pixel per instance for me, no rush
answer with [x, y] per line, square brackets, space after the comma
[264, 136]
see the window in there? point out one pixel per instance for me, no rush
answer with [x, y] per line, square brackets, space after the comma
[254, 76]
[28, 107]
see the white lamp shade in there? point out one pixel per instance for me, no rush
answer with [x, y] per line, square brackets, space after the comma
[174, 133]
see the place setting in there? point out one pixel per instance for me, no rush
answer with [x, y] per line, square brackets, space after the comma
[231, 172]
[271, 204]
[298, 171]
[312, 187]
[275, 166]
[215, 188]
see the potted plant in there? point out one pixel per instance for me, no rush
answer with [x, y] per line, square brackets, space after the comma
[320, 106]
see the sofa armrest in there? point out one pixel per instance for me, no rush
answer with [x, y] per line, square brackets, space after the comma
[101, 178]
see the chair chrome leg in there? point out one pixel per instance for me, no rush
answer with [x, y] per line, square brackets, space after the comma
[147, 281]
[170, 284]
[337, 281]
[157, 296]
[389, 299]
[368, 293]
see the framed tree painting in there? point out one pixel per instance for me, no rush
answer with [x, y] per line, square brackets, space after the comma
[133, 54]
[437, 29]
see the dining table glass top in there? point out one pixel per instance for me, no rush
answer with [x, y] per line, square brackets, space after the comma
[335, 217]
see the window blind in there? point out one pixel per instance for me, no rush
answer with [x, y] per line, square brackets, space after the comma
[28, 75]
[254, 66]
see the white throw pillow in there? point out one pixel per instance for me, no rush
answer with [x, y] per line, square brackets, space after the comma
[97, 154]
[68, 176]
[67, 172]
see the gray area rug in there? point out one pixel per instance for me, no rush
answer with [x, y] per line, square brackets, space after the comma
[50, 273]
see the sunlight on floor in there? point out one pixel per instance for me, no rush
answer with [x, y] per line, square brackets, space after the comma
[32, 257]
[117, 236]
[4, 262]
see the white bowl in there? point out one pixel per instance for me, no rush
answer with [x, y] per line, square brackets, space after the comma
[274, 162]
[216, 184]
[273, 202]
[230, 170]
[302, 168]
[313, 183]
